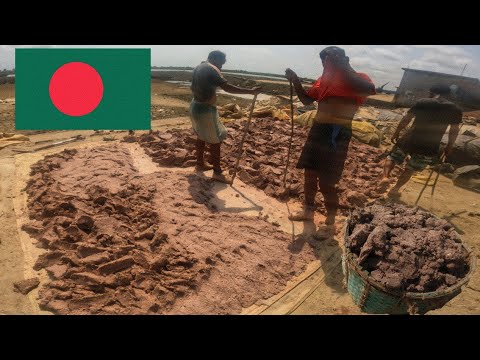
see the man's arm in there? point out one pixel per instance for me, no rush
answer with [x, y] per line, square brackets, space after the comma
[361, 86]
[302, 94]
[402, 125]
[232, 89]
[452, 137]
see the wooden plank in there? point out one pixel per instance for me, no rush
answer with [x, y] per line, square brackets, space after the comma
[76, 138]
[287, 301]
[262, 305]
[291, 299]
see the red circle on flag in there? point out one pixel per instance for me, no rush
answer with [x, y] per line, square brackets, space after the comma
[76, 89]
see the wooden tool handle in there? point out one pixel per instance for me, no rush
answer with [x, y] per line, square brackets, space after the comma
[240, 148]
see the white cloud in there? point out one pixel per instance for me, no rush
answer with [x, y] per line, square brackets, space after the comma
[442, 58]
[262, 51]
[403, 49]
[444, 49]
[388, 53]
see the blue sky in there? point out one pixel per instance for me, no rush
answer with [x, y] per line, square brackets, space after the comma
[382, 63]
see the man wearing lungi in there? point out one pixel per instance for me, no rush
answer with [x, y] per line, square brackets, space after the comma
[203, 111]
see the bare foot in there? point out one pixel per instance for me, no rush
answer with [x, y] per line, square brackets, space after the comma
[325, 232]
[302, 215]
[393, 194]
[222, 178]
[383, 185]
[203, 167]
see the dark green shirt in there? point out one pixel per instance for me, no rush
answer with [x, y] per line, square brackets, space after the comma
[205, 82]
[432, 118]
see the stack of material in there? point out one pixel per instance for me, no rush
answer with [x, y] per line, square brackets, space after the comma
[407, 249]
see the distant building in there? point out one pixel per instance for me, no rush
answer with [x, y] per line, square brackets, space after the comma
[415, 85]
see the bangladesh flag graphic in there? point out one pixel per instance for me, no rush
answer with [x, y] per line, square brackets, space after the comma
[82, 89]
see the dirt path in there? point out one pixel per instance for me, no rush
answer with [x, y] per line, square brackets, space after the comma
[12, 260]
